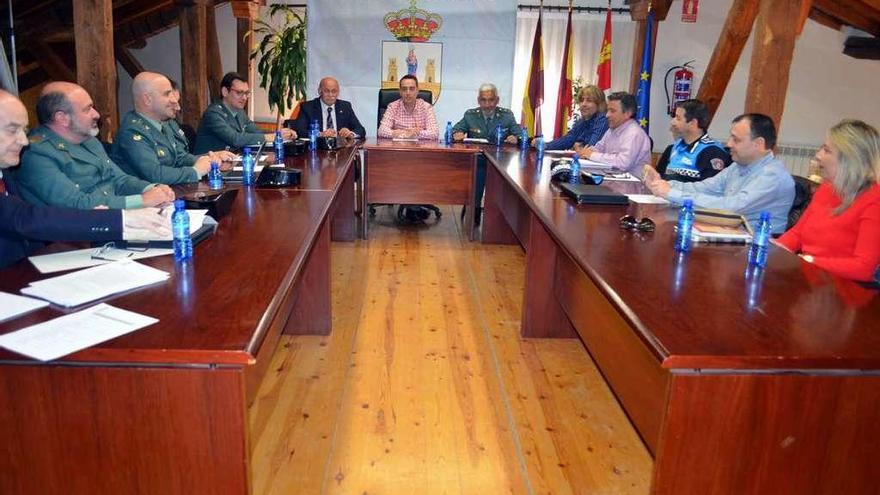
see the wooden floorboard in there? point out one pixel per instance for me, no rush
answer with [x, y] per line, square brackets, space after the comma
[425, 387]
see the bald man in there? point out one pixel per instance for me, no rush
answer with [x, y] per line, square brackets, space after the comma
[23, 226]
[146, 146]
[66, 166]
[335, 117]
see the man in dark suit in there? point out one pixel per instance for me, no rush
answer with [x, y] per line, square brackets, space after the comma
[335, 117]
[23, 226]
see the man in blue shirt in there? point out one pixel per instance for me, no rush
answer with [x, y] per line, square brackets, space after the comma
[756, 181]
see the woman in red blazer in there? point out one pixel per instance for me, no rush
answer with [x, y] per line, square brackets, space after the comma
[840, 230]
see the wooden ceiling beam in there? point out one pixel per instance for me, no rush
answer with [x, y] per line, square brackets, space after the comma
[776, 29]
[51, 62]
[728, 49]
[128, 61]
[852, 13]
[825, 19]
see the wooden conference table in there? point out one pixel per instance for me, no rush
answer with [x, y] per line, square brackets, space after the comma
[163, 410]
[738, 382]
[766, 383]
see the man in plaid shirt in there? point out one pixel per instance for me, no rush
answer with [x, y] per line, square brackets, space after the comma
[409, 117]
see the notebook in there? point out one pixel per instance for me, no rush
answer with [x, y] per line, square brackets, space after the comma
[593, 195]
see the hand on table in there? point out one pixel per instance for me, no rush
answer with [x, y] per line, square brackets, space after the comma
[158, 195]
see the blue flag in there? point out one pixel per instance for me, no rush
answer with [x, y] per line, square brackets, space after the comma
[643, 94]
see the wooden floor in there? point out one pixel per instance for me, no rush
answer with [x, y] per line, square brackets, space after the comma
[424, 386]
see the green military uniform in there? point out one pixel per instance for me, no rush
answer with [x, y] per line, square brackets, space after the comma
[59, 173]
[476, 126]
[179, 135]
[222, 127]
[149, 150]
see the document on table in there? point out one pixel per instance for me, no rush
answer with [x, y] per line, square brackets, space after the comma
[91, 284]
[476, 140]
[559, 152]
[84, 258]
[647, 199]
[624, 176]
[12, 305]
[70, 333]
[238, 159]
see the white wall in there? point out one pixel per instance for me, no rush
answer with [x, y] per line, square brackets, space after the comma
[825, 86]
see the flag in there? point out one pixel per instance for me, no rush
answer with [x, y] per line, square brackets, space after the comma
[603, 69]
[534, 93]
[643, 94]
[564, 98]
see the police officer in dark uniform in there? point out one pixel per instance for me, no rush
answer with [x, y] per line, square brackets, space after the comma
[693, 156]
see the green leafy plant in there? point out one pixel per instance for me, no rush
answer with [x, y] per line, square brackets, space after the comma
[282, 52]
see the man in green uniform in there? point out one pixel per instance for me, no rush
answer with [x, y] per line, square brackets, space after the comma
[66, 166]
[224, 124]
[146, 146]
[481, 123]
[179, 135]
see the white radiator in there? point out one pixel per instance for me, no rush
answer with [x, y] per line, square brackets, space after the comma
[796, 157]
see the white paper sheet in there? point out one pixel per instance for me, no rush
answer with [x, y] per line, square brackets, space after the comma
[238, 159]
[91, 284]
[476, 140]
[70, 333]
[12, 305]
[647, 199]
[83, 258]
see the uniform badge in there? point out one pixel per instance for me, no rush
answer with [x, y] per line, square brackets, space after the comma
[136, 137]
[60, 146]
[717, 163]
[160, 152]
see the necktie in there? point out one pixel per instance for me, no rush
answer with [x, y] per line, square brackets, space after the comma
[2, 187]
[329, 118]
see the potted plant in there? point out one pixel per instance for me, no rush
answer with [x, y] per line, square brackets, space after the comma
[282, 52]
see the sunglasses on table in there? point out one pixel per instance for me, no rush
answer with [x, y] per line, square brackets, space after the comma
[630, 222]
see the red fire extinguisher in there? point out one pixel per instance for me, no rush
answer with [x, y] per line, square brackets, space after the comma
[682, 82]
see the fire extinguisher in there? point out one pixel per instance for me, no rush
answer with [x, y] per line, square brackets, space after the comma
[681, 88]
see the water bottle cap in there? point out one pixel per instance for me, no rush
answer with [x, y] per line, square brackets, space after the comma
[247, 150]
[214, 165]
[688, 203]
[278, 133]
[765, 216]
[179, 204]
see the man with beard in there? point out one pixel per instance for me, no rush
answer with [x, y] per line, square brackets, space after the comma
[24, 227]
[66, 165]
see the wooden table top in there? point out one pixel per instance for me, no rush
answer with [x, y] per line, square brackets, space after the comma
[421, 145]
[703, 310]
[217, 309]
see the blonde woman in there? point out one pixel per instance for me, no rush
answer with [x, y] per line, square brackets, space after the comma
[592, 125]
[840, 230]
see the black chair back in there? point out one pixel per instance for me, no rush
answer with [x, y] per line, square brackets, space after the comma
[386, 96]
[803, 193]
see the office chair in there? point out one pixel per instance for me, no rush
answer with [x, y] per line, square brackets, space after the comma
[386, 96]
[803, 194]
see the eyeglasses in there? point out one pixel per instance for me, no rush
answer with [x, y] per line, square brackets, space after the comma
[630, 222]
[241, 93]
[109, 252]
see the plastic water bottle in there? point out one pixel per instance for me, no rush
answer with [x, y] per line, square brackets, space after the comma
[215, 178]
[448, 138]
[183, 248]
[313, 136]
[279, 147]
[499, 135]
[685, 226]
[758, 251]
[247, 167]
[524, 139]
[539, 146]
[575, 175]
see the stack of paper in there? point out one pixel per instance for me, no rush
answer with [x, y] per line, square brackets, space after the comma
[91, 284]
[83, 258]
[704, 232]
[66, 334]
[12, 305]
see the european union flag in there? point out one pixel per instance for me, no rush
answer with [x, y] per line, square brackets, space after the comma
[643, 94]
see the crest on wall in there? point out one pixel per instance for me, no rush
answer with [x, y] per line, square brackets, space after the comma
[411, 53]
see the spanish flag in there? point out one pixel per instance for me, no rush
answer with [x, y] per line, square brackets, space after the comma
[603, 70]
[564, 98]
[534, 93]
